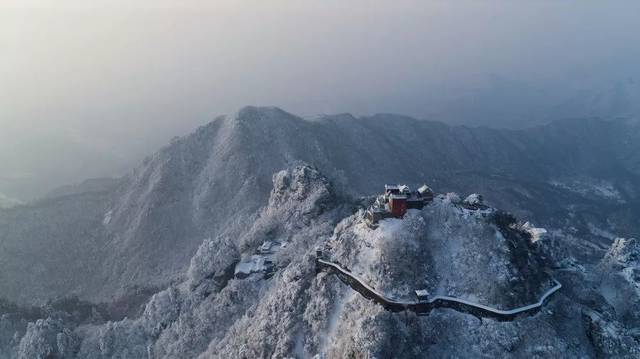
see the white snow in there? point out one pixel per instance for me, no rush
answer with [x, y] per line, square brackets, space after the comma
[107, 218]
[589, 187]
[473, 199]
[536, 233]
[596, 231]
[255, 264]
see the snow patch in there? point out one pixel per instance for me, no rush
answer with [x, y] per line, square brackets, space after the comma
[536, 233]
[107, 218]
[473, 199]
[452, 197]
[596, 231]
[334, 320]
[625, 254]
[590, 187]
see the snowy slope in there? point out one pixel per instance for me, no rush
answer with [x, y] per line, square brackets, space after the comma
[483, 255]
[143, 231]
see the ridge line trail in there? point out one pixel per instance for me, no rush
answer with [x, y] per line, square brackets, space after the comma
[424, 307]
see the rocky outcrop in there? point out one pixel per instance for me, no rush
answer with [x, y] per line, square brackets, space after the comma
[223, 317]
[619, 274]
[47, 338]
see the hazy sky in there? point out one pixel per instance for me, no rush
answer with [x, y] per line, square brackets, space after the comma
[88, 85]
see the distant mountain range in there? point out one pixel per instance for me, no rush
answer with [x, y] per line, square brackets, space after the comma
[505, 103]
[143, 229]
[108, 241]
[55, 157]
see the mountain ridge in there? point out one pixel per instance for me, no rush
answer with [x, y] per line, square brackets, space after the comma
[477, 254]
[199, 186]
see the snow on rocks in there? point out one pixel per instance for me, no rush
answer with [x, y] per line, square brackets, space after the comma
[47, 338]
[452, 197]
[474, 199]
[535, 232]
[620, 278]
[208, 316]
[211, 260]
[107, 218]
[444, 249]
[589, 187]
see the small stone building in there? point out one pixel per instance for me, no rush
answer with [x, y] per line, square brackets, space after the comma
[426, 193]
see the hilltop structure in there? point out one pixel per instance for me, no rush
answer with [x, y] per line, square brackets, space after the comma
[396, 200]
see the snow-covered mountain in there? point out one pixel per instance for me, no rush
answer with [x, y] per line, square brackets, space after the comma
[481, 255]
[179, 223]
[618, 100]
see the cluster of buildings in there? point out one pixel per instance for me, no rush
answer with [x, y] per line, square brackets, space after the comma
[396, 200]
[260, 262]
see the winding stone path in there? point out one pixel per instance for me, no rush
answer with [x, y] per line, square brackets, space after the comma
[439, 301]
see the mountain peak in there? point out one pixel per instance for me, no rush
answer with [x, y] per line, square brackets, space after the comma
[260, 112]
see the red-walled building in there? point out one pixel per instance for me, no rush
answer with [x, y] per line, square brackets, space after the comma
[395, 202]
[397, 205]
